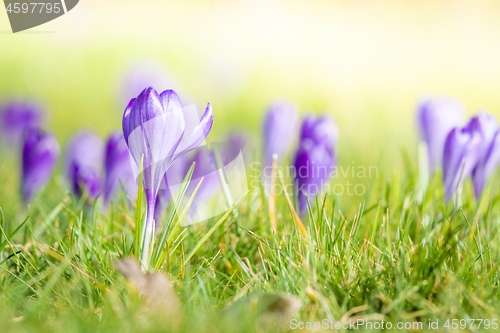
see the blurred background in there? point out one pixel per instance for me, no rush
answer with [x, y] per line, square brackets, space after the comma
[365, 62]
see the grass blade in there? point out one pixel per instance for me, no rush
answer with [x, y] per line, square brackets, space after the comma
[8, 238]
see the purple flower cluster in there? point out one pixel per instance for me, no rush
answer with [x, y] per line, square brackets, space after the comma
[469, 150]
[20, 128]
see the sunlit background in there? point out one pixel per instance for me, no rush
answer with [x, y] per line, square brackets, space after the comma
[365, 62]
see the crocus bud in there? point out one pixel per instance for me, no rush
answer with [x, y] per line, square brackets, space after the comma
[315, 157]
[117, 168]
[16, 117]
[280, 128]
[39, 157]
[436, 118]
[153, 127]
[83, 164]
[462, 152]
[487, 126]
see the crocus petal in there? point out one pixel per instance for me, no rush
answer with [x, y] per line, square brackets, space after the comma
[461, 155]
[487, 126]
[199, 133]
[437, 116]
[146, 106]
[39, 157]
[126, 120]
[170, 101]
[486, 166]
[83, 164]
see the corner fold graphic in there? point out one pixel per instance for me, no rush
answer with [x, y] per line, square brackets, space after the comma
[70, 4]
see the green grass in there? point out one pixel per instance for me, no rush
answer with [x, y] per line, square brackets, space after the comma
[403, 260]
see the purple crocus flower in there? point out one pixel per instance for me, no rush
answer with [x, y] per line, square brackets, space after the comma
[316, 156]
[487, 126]
[17, 116]
[280, 126]
[83, 164]
[462, 151]
[117, 168]
[39, 157]
[437, 116]
[154, 129]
